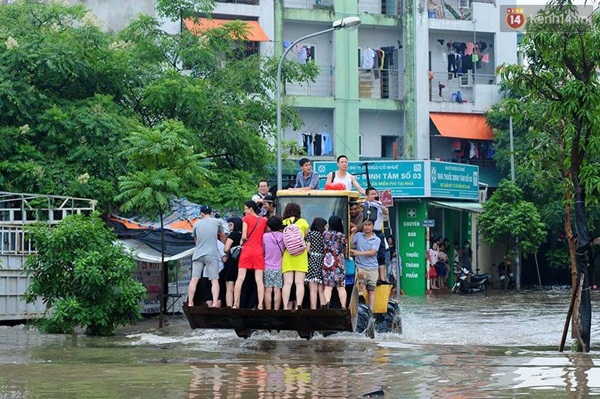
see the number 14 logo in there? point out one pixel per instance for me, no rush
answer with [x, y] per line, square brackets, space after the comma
[515, 18]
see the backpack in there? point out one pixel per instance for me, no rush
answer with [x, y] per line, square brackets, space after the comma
[293, 239]
[369, 212]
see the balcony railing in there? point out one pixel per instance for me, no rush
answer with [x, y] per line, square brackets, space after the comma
[380, 83]
[385, 7]
[456, 87]
[322, 87]
[450, 9]
[308, 4]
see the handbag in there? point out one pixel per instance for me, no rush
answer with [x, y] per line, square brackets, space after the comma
[235, 252]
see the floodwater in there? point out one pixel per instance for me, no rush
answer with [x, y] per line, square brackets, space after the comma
[495, 346]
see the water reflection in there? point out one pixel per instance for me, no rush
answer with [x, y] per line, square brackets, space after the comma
[499, 346]
[278, 381]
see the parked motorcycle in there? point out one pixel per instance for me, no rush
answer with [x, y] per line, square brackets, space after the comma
[507, 278]
[469, 283]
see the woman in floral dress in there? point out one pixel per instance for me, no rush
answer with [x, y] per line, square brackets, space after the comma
[334, 261]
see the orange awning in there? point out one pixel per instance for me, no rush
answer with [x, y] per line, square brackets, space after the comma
[254, 31]
[462, 126]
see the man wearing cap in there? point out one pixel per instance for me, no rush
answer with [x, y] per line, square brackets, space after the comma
[268, 206]
[206, 255]
[306, 179]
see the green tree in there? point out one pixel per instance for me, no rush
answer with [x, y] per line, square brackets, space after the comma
[83, 277]
[70, 94]
[560, 78]
[60, 127]
[163, 166]
[508, 216]
[223, 98]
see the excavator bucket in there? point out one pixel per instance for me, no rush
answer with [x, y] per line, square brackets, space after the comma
[305, 321]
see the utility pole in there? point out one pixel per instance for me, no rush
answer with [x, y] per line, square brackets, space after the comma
[512, 176]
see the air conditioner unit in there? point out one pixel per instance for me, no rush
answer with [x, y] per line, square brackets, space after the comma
[465, 80]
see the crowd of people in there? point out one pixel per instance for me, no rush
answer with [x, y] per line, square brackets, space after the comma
[266, 261]
[439, 261]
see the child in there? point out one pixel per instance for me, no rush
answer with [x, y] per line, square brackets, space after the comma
[366, 245]
[273, 247]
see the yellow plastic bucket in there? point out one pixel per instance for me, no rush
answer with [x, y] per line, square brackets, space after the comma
[382, 296]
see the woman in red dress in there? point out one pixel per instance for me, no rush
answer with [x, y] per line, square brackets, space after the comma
[252, 256]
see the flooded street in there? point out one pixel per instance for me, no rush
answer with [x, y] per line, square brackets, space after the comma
[499, 346]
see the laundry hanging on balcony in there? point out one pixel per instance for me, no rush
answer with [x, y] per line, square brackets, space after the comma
[316, 144]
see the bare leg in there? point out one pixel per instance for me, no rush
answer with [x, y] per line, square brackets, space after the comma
[214, 289]
[288, 280]
[269, 298]
[192, 290]
[260, 287]
[382, 276]
[237, 290]
[327, 295]
[320, 288]
[299, 281]
[362, 289]
[343, 297]
[313, 289]
[371, 299]
[229, 294]
[277, 299]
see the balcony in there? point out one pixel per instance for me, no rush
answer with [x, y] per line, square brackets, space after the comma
[380, 84]
[309, 4]
[322, 87]
[383, 7]
[458, 10]
[445, 86]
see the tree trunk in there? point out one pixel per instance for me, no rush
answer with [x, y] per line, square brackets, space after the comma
[161, 294]
[581, 255]
[569, 233]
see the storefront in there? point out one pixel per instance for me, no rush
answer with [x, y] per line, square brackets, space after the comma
[426, 192]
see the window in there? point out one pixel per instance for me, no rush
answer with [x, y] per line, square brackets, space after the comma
[390, 147]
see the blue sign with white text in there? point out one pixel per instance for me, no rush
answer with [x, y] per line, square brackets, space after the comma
[454, 180]
[403, 178]
[412, 179]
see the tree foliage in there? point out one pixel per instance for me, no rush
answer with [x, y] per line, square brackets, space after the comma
[59, 121]
[508, 216]
[83, 277]
[163, 166]
[560, 78]
[71, 95]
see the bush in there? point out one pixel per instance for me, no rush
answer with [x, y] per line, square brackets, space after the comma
[83, 277]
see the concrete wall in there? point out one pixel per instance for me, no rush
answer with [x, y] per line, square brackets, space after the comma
[114, 15]
[373, 125]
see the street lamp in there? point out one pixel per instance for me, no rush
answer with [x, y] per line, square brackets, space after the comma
[349, 23]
